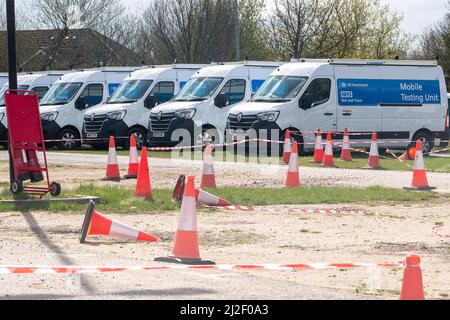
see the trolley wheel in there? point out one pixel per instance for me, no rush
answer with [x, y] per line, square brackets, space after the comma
[17, 187]
[55, 189]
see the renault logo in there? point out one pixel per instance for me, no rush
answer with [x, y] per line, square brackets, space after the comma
[239, 117]
[159, 116]
[93, 117]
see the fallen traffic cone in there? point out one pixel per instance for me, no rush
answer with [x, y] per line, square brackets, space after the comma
[96, 224]
[287, 147]
[318, 149]
[208, 177]
[143, 186]
[328, 160]
[133, 166]
[202, 197]
[293, 175]
[112, 169]
[374, 156]
[186, 249]
[346, 154]
[412, 287]
[420, 180]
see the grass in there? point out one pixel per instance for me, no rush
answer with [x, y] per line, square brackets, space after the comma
[120, 200]
[433, 164]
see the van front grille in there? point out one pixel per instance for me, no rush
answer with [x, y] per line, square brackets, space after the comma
[241, 122]
[94, 125]
[161, 122]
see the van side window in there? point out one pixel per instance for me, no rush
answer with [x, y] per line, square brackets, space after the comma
[317, 93]
[40, 91]
[235, 89]
[92, 95]
[163, 91]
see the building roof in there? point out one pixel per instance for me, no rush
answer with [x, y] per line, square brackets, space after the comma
[65, 49]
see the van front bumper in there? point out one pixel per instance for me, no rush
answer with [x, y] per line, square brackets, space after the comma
[51, 130]
[180, 132]
[115, 128]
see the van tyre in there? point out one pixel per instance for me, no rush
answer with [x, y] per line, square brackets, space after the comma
[70, 135]
[207, 135]
[427, 141]
[141, 138]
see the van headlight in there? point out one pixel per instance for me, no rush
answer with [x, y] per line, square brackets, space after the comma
[49, 116]
[2, 115]
[117, 115]
[268, 116]
[185, 114]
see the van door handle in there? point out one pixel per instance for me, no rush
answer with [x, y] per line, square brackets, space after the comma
[328, 114]
[347, 114]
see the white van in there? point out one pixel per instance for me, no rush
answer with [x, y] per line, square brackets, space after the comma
[199, 112]
[39, 82]
[3, 78]
[400, 100]
[63, 107]
[128, 109]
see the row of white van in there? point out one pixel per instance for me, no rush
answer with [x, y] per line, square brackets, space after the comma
[190, 104]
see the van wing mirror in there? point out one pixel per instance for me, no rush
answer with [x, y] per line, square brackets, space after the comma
[306, 101]
[221, 100]
[151, 101]
[81, 103]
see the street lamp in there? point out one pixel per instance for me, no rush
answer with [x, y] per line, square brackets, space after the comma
[237, 30]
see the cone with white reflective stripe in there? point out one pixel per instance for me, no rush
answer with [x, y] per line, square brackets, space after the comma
[143, 185]
[203, 197]
[133, 165]
[328, 160]
[186, 248]
[287, 147]
[420, 180]
[208, 177]
[346, 154]
[96, 224]
[112, 169]
[293, 175]
[374, 156]
[318, 149]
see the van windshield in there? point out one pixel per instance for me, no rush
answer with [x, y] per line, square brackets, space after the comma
[280, 89]
[2, 93]
[61, 93]
[199, 89]
[130, 91]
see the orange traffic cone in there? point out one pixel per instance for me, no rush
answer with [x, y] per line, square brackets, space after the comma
[208, 177]
[202, 196]
[328, 160]
[420, 180]
[293, 175]
[287, 147]
[133, 166]
[112, 169]
[20, 162]
[318, 149]
[374, 156]
[143, 186]
[412, 287]
[209, 199]
[97, 224]
[186, 249]
[346, 154]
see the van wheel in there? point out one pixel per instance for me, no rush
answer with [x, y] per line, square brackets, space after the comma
[295, 137]
[427, 141]
[68, 136]
[141, 138]
[207, 135]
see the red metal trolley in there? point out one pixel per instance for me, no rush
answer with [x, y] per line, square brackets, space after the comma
[26, 142]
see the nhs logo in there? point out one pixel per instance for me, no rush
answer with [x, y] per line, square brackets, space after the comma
[346, 94]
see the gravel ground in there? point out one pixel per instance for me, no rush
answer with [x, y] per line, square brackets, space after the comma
[91, 168]
[385, 234]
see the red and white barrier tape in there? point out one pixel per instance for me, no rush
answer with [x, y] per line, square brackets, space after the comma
[224, 267]
[289, 210]
[437, 231]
